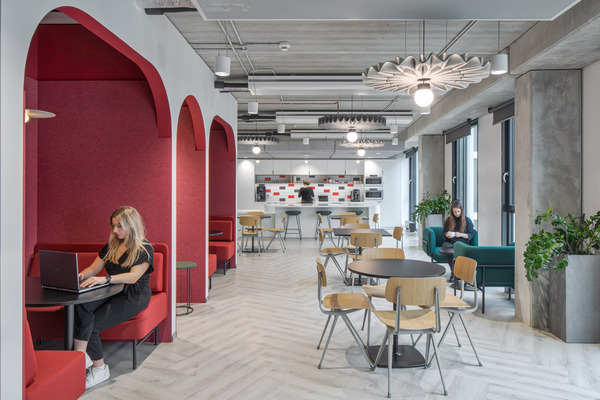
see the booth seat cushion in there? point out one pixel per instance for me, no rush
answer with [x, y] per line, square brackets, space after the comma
[223, 250]
[212, 264]
[51, 374]
[138, 326]
[498, 261]
[229, 218]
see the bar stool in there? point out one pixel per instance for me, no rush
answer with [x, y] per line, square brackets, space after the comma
[357, 212]
[298, 229]
[322, 213]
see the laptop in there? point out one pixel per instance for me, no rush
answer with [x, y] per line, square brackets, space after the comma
[58, 271]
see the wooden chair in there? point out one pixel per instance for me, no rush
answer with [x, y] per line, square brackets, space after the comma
[410, 292]
[398, 231]
[340, 305]
[358, 226]
[360, 241]
[255, 213]
[331, 253]
[251, 228]
[325, 231]
[350, 220]
[465, 269]
[376, 220]
[347, 213]
[278, 233]
[376, 290]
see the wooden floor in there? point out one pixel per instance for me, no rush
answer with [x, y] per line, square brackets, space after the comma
[256, 338]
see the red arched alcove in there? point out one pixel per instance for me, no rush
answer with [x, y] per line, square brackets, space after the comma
[221, 170]
[108, 146]
[191, 200]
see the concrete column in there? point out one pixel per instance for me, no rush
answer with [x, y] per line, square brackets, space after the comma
[547, 170]
[431, 167]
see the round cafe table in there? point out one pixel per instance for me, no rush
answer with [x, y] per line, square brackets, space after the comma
[404, 356]
[187, 265]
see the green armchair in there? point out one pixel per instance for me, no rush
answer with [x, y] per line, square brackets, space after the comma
[432, 243]
[495, 266]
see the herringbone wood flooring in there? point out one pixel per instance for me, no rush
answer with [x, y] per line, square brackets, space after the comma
[256, 338]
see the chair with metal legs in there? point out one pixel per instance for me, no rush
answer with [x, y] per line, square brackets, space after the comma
[250, 228]
[465, 269]
[320, 214]
[412, 292]
[340, 305]
[375, 290]
[376, 220]
[358, 242]
[330, 253]
[326, 231]
[298, 229]
[398, 235]
[278, 233]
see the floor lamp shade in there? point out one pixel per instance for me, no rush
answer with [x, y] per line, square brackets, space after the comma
[222, 65]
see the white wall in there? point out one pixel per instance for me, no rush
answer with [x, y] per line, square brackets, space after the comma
[183, 74]
[591, 140]
[394, 202]
[245, 184]
[489, 184]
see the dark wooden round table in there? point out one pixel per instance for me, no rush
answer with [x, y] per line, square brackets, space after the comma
[404, 356]
[37, 296]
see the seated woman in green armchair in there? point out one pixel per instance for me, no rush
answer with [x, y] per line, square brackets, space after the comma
[457, 228]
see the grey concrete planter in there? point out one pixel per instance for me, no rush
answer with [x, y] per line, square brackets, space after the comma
[574, 300]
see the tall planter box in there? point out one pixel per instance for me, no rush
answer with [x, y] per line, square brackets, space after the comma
[575, 300]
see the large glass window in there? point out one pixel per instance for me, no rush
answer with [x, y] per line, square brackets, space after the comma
[412, 183]
[464, 172]
[508, 183]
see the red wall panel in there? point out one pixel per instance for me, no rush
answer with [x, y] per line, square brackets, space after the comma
[221, 174]
[100, 152]
[191, 206]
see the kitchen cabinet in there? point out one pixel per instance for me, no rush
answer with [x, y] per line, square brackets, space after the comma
[354, 168]
[317, 167]
[299, 167]
[373, 167]
[265, 167]
[336, 167]
[282, 167]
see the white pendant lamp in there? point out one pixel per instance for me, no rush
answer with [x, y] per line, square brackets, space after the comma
[253, 107]
[280, 128]
[425, 110]
[352, 136]
[256, 149]
[423, 96]
[499, 64]
[393, 129]
[222, 65]
[395, 141]
[361, 152]
[306, 140]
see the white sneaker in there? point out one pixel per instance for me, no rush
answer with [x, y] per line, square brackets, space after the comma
[88, 360]
[96, 375]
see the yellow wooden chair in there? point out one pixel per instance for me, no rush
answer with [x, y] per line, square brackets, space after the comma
[340, 305]
[330, 253]
[398, 235]
[278, 233]
[250, 227]
[412, 292]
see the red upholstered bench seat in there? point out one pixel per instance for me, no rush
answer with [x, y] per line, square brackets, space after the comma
[50, 374]
[47, 323]
[223, 246]
[212, 268]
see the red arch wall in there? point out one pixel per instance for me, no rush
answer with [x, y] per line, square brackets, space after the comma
[108, 146]
[191, 203]
[222, 169]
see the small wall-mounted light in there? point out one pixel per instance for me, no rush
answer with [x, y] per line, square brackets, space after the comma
[30, 113]
[258, 161]
[305, 161]
[358, 161]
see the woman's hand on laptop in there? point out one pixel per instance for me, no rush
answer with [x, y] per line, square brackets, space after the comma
[93, 281]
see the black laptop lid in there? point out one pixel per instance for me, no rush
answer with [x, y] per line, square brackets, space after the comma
[59, 269]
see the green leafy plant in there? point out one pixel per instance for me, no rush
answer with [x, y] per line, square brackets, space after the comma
[432, 204]
[569, 235]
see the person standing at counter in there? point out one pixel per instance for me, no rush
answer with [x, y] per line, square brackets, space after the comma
[306, 192]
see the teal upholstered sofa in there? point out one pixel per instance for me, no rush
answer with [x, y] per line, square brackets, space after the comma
[432, 243]
[495, 266]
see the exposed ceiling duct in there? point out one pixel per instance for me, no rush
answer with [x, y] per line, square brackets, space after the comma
[265, 85]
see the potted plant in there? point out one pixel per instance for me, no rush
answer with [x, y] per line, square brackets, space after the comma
[432, 205]
[573, 242]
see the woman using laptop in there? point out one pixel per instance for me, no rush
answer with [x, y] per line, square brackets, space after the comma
[127, 259]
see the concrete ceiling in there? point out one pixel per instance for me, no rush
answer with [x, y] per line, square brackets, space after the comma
[343, 38]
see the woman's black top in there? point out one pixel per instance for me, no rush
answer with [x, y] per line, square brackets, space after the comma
[307, 194]
[468, 230]
[143, 283]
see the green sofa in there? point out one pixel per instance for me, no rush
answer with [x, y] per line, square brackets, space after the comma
[432, 243]
[495, 266]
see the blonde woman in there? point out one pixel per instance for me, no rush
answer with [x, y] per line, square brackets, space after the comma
[127, 258]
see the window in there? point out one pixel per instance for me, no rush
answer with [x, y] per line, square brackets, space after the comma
[412, 183]
[508, 184]
[464, 172]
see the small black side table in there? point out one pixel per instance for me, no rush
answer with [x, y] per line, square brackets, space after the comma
[187, 265]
